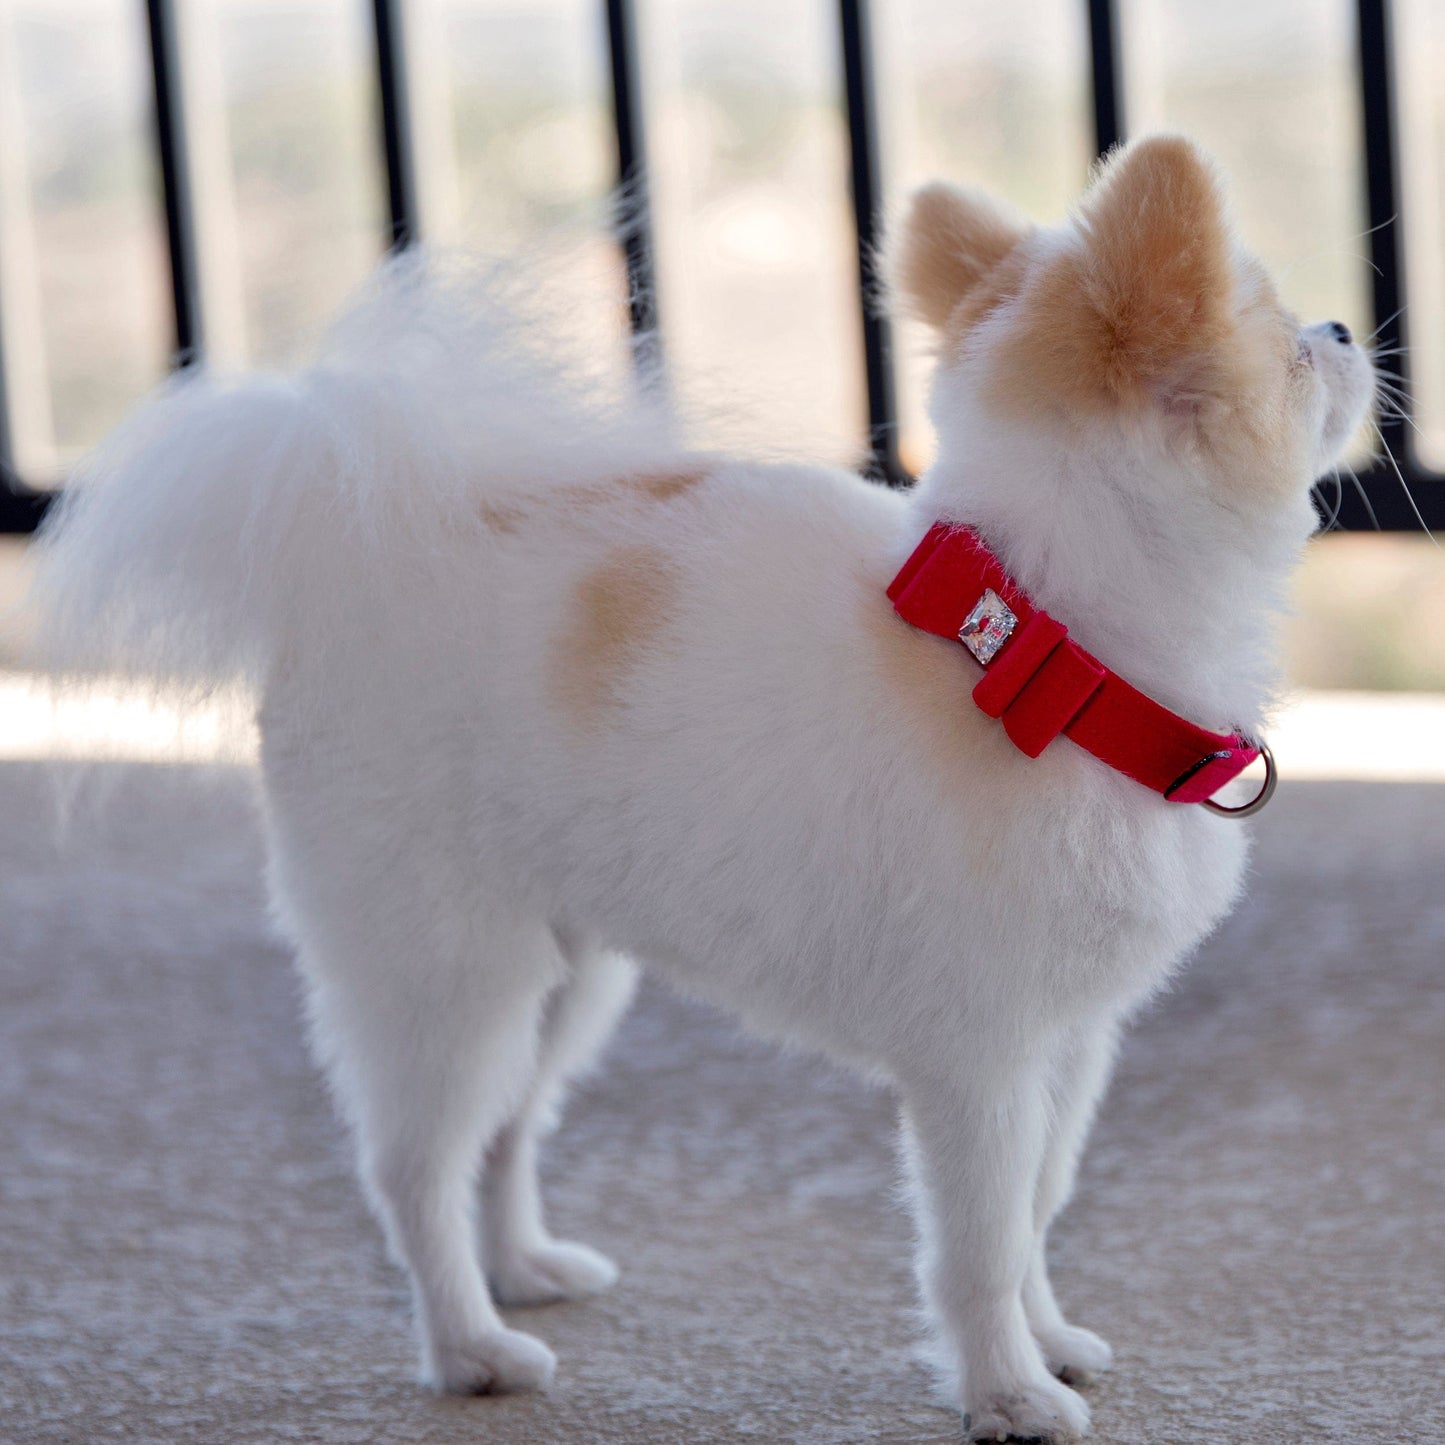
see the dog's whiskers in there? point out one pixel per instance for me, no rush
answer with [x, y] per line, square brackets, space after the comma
[1393, 402]
[1400, 311]
[1364, 497]
[1404, 485]
[1331, 521]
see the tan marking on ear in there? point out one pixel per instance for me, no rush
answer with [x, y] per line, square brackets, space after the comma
[1160, 270]
[1142, 304]
[1001, 284]
[612, 615]
[949, 241]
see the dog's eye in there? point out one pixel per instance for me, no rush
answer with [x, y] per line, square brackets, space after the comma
[1304, 354]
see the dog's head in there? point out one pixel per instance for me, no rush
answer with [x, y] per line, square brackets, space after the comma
[1140, 329]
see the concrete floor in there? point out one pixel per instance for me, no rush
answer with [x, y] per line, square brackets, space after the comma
[184, 1256]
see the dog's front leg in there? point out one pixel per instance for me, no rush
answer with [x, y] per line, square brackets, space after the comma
[976, 1142]
[1078, 1078]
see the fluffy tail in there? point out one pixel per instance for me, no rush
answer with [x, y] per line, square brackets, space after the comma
[225, 514]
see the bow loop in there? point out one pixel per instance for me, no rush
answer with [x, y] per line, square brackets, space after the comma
[1038, 684]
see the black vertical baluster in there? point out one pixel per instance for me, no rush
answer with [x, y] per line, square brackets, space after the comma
[1107, 72]
[396, 136]
[635, 216]
[9, 478]
[861, 102]
[20, 507]
[1381, 179]
[175, 179]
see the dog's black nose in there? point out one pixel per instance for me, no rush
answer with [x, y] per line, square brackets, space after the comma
[1341, 332]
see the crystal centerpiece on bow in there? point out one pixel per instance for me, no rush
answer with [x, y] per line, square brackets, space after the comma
[987, 627]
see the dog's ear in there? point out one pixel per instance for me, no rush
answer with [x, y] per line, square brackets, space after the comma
[949, 241]
[1157, 270]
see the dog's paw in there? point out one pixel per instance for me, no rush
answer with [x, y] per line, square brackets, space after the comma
[1076, 1356]
[1039, 1410]
[495, 1364]
[556, 1270]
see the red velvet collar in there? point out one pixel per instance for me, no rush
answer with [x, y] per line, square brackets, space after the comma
[1040, 684]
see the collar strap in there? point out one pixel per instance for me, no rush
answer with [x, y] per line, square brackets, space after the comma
[1039, 684]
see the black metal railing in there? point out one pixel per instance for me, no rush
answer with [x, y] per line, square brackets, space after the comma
[1381, 499]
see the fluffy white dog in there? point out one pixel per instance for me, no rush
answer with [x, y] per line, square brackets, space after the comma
[541, 691]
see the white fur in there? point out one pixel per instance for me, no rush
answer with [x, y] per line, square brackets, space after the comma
[761, 817]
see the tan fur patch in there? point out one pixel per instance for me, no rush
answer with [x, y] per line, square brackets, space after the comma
[1253, 427]
[500, 518]
[612, 614]
[664, 487]
[950, 240]
[507, 518]
[592, 494]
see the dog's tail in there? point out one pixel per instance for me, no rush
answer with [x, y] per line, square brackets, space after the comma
[224, 515]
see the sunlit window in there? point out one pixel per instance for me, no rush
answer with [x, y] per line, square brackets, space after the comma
[84, 320]
[278, 104]
[757, 279]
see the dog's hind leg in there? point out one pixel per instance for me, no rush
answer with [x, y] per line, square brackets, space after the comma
[524, 1263]
[1078, 1079]
[429, 1027]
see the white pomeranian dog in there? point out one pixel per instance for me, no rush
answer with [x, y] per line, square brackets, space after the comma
[542, 692]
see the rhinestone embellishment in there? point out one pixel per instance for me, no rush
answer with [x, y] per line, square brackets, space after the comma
[987, 627]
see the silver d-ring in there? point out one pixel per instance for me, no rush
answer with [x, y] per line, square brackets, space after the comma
[1245, 810]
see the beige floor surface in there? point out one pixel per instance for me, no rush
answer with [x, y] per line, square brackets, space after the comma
[184, 1256]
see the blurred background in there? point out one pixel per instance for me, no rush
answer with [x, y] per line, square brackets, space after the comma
[746, 143]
